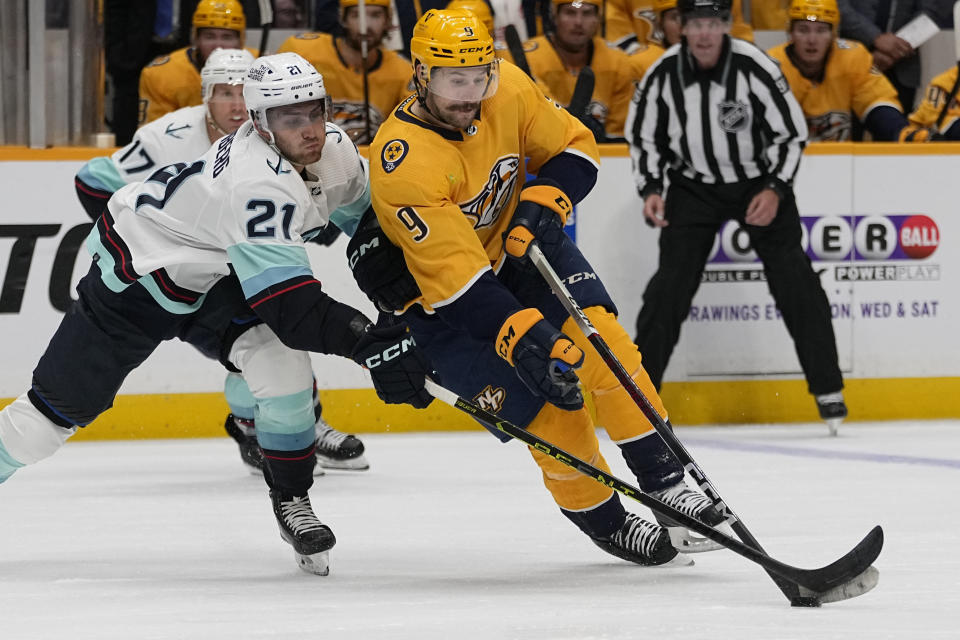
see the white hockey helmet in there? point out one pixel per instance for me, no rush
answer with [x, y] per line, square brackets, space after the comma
[224, 66]
[279, 80]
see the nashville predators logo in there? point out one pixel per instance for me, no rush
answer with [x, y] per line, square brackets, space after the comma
[832, 125]
[491, 399]
[393, 154]
[349, 117]
[484, 208]
[733, 116]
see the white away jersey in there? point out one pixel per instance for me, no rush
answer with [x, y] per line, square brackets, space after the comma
[178, 136]
[240, 203]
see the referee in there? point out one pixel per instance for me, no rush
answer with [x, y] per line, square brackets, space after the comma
[717, 116]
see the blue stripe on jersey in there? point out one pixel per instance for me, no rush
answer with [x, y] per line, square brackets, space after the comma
[107, 265]
[347, 217]
[259, 266]
[286, 423]
[8, 464]
[101, 173]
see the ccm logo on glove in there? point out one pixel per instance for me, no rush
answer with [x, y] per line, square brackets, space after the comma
[390, 353]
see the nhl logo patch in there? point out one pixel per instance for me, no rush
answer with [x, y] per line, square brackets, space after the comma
[733, 116]
[393, 154]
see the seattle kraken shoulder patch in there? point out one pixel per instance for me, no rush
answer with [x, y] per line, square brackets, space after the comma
[393, 154]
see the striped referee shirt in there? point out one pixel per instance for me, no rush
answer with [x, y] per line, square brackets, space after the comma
[735, 122]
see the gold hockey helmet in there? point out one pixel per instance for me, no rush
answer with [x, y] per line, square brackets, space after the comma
[815, 11]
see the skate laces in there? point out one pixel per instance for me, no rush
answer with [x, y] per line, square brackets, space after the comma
[329, 438]
[299, 516]
[684, 499]
[637, 534]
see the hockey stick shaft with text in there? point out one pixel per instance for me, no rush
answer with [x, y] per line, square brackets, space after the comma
[814, 583]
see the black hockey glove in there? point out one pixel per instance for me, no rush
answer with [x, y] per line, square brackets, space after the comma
[327, 236]
[379, 268]
[540, 215]
[397, 366]
[544, 358]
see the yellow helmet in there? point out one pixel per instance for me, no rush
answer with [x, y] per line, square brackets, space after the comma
[659, 6]
[219, 14]
[477, 7]
[373, 3]
[577, 3]
[451, 38]
[815, 11]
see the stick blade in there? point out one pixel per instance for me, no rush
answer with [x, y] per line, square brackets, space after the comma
[841, 574]
[860, 585]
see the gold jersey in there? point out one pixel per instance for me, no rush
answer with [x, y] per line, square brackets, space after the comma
[446, 197]
[936, 95]
[613, 85]
[628, 18]
[388, 82]
[171, 82]
[643, 58]
[850, 83]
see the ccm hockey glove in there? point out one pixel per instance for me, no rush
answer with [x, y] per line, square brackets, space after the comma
[540, 215]
[397, 366]
[327, 236]
[544, 358]
[379, 268]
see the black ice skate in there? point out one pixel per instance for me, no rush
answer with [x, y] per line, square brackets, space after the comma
[832, 410]
[644, 543]
[299, 526]
[696, 505]
[337, 450]
[243, 432]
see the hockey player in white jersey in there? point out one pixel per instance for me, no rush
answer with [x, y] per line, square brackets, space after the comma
[212, 252]
[186, 134]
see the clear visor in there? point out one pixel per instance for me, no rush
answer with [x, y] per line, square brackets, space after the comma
[297, 116]
[465, 84]
[227, 94]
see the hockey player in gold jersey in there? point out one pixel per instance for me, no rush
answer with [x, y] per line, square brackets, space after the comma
[834, 79]
[172, 82]
[447, 185]
[938, 115]
[556, 60]
[632, 23]
[669, 26]
[339, 61]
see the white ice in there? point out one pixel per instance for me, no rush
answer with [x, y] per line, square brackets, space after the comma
[452, 535]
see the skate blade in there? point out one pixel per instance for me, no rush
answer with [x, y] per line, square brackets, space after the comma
[316, 563]
[678, 561]
[353, 464]
[317, 471]
[833, 425]
[684, 540]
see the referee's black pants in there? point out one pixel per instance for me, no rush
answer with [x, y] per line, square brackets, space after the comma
[695, 213]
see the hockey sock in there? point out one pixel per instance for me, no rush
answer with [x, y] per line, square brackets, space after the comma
[241, 402]
[27, 436]
[599, 521]
[652, 462]
[572, 431]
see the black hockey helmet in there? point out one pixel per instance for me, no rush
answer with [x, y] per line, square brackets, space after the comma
[704, 9]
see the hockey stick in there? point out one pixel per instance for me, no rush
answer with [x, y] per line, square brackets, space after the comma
[850, 576]
[515, 47]
[796, 596]
[582, 93]
[266, 23]
[956, 83]
[362, 15]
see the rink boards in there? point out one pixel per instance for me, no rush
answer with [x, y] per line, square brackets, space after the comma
[880, 224]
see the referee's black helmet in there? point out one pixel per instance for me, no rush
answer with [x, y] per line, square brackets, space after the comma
[704, 9]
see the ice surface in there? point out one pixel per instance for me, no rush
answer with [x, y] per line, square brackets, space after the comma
[452, 535]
